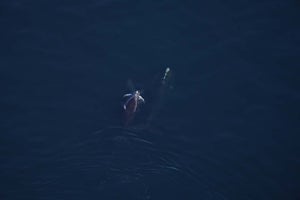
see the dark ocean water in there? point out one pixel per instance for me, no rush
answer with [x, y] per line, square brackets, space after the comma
[225, 127]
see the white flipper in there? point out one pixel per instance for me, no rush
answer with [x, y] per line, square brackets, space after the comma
[125, 104]
[141, 99]
[127, 95]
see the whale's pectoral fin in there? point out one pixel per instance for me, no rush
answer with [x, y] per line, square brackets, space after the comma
[128, 100]
[127, 95]
[141, 99]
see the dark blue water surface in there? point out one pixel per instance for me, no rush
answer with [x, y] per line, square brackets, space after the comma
[225, 126]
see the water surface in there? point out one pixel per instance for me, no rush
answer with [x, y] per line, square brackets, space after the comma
[226, 129]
